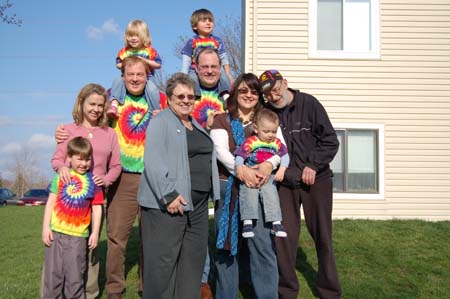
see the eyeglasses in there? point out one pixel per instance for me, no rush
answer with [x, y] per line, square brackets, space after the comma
[275, 91]
[181, 97]
[207, 67]
[246, 90]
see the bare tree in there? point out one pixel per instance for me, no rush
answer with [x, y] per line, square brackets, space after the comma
[8, 19]
[229, 30]
[24, 166]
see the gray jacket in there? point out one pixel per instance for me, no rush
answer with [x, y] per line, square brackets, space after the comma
[166, 163]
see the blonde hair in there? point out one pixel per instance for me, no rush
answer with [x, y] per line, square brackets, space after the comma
[139, 28]
[85, 92]
[200, 14]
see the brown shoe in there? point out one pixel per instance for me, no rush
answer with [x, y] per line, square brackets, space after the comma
[205, 291]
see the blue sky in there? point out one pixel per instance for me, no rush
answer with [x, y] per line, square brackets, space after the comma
[63, 45]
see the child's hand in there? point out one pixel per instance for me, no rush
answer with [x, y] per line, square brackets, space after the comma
[279, 175]
[47, 236]
[93, 241]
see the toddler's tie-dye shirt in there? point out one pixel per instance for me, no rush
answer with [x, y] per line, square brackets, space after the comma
[71, 214]
[148, 52]
[130, 128]
[255, 151]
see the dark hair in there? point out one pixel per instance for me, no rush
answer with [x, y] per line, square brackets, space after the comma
[178, 79]
[266, 114]
[79, 146]
[253, 83]
[206, 51]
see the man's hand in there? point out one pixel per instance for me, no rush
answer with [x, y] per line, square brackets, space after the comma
[47, 236]
[61, 134]
[210, 120]
[308, 176]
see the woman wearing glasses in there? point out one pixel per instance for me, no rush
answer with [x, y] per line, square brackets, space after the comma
[228, 132]
[180, 175]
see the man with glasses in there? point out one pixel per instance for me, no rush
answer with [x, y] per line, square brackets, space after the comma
[211, 95]
[312, 145]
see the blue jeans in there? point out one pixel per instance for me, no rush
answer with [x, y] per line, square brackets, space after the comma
[263, 269]
[249, 199]
[118, 92]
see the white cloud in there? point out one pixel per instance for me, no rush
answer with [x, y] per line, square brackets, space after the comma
[11, 148]
[108, 27]
[41, 141]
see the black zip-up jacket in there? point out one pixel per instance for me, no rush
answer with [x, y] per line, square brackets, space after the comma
[310, 138]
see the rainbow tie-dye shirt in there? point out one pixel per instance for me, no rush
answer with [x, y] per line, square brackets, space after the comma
[196, 43]
[208, 103]
[130, 128]
[147, 52]
[71, 214]
[255, 151]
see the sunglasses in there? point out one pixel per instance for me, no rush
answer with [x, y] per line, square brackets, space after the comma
[181, 97]
[246, 90]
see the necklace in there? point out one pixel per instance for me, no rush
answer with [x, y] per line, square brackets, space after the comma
[249, 119]
[90, 133]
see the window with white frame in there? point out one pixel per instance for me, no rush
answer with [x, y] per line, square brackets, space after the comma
[358, 165]
[344, 29]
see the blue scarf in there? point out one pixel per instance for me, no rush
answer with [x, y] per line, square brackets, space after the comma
[239, 138]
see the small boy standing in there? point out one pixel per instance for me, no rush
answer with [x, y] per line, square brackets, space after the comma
[202, 23]
[255, 150]
[66, 223]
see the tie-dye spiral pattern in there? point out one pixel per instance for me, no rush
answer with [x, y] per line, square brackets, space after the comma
[257, 151]
[209, 102]
[71, 214]
[130, 128]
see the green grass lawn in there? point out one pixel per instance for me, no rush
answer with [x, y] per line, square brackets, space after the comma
[376, 259]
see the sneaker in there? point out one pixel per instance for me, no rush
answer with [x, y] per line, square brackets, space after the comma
[112, 112]
[278, 231]
[247, 231]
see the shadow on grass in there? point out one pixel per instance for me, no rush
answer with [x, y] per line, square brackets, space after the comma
[307, 271]
[131, 260]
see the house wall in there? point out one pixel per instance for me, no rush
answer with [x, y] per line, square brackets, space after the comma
[407, 91]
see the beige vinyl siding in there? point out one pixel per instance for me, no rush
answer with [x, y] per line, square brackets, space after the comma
[407, 90]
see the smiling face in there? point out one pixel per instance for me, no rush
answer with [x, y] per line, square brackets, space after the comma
[80, 164]
[181, 102]
[204, 27]
[93, 107]
[208, 68]
[134, 42]
[278, 95]
[247, 98]
[135, 78]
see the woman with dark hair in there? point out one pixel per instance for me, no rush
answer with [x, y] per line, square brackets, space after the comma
[179, 177]
[228, 132]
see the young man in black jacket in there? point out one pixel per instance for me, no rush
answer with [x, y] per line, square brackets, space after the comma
[312, 145]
